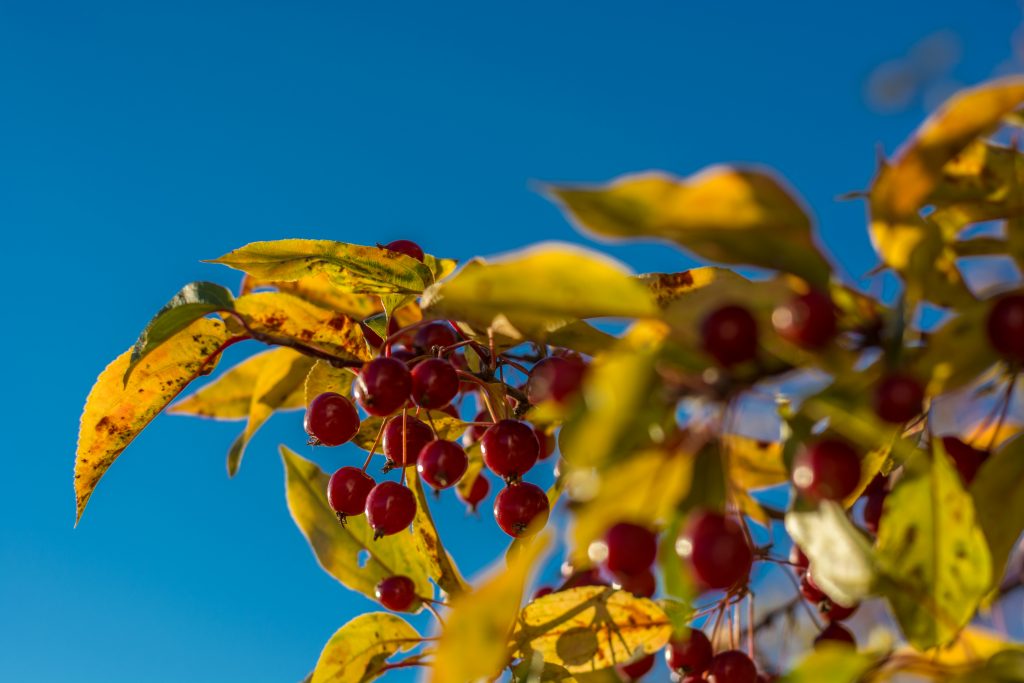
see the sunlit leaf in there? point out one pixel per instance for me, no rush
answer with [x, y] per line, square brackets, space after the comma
[754, 464]
[319, 291]
[668, 287]
[324, 377]
[841, 559]
[442, 566]
[998, 502]
[943, 360]
[228, 396]
[835, 664]
[358, 651]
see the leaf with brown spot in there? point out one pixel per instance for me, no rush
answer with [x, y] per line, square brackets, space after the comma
[668, 287]
[358, 651]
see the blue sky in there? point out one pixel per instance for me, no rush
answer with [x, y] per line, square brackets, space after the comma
[138, 138]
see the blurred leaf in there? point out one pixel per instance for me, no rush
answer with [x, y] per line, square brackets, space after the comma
[668, 287]
[278, 318]
[1003, 667]
[358, 651]
[116, 412]
[229, 396]
[340, 549]
[943, 359]
[841, 559]
[324, 377]
[676, 583]
[971, 646]
[832, 663]
[754, 464]
[998, 502]
[442, 566]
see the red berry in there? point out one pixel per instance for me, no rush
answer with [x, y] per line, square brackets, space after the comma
[477, 492]
[331, 419]
[810, 590]
[732, 666]
[873, 505]
[442, 463]
[898, 398]
[404, 355]
[827, 470]
[407, 247]
[383, 386]
[397, 593]
[1005, 326]
[402, 446]
[637, 669]
[966, 458]
[717, 549]
[798, 559]
[475, 431]
[390, 508]
[729, 335]
[555, 378]
[583, 577]
[835, 633]
[509, 448]
[691, 654]
[642, 585]
[693, 678]
[521, 508]
[434, 383]
[631, 548]
[434, 334]
[834, 612]
[347, 491]
[542, 591]
[807, 320]
[546, 443]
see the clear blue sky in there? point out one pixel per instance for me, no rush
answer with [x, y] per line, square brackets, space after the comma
[138, 138]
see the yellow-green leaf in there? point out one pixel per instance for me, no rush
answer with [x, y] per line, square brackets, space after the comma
[668, 287]
[752, 463]
[324, 377]
[116, 412]
[997, 500]
[832, 663]
[841, 559]
[358, 651]
[442, 566]
[276, 317]
[445, 427]
[943, 359]
[229, 396]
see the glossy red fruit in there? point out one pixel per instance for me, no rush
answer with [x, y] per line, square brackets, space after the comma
[732, 666]
[542, 591]
[874, 504]
[407, 247]
[404, 355]
[810, 590]
[347, 491]
[509, 448]
[798, 559]
[546, 443]
[442, 463]
[691, 654]
[631, 548]
[1005, 326]
[807, 320]
[434, 384]
[331, 419]
[834, 612]
[835, 633]
[401, 447]
[436, 334]
[521, 508]
[717, 549]
[477, 492]
[966, 458]
[555, 378]
[898, 398]
[390, 508]
[383, 386]
[642, 585]
[397, 593]
[828, 469]
[638, 669]
[729, 335]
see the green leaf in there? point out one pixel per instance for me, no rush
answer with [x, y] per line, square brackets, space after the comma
[841, 560]
[194, 301]
[358, 651]
[832, 663]
[998, 502]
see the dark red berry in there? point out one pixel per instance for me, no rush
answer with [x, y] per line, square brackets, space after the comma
[638, 669]
[690, 654]
[390, 508]
[835, 633]
[477, 492]
[631, 548]
[509, 448]
[546, 443]
[434, 384]
[347, 491]
[583, 577]
[331, 419]
[475, 431]
[407, 247]
[968, 460]
[807, 320]
[732, 666]
[433, 335]
[717, 549]
[798, 559]
[1005, 326]
[835, 612]
[521, 508]
[401, 447]
[642, 585]
[542, 591]
[874, 503]
[442, 463]
[828, 469]
[383, 386]
[898, 398]
[729, 335]
[406, 356]
[555, 378]
[693, 678]
[397, 593]
[810, 590]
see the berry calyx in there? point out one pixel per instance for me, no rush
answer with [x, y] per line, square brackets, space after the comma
[383, 386]
[637, 669]
[1005, 326]
[732, 666]
[828, 469]
[555, 378]
[434, 383]
[407, 247]
[691, 654]
[390, 508]
[642, 585]
[477, 492]
[404, 438]
[521, 508]
[442, 463]
[968, 460]
[898, 398]
[509, 448]
[347, 490]
[397, 593]
[331, 419]
[631, 548]
[729, 335]
[717, 550]
[835, 633]
[807, 320]
[432, 335]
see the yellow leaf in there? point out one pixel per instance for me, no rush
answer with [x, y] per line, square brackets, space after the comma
[831, 663]
[726, 214]
[116, 412]
[474, 470]
[667, 287]
[442, 566]
[475, 643]
[754, 464]
[227, 397]
[591, 628]
[358, 650]
[324, 377]
[319, 291]
[972, 645]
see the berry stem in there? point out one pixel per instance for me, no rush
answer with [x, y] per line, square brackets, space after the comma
[373, 448]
